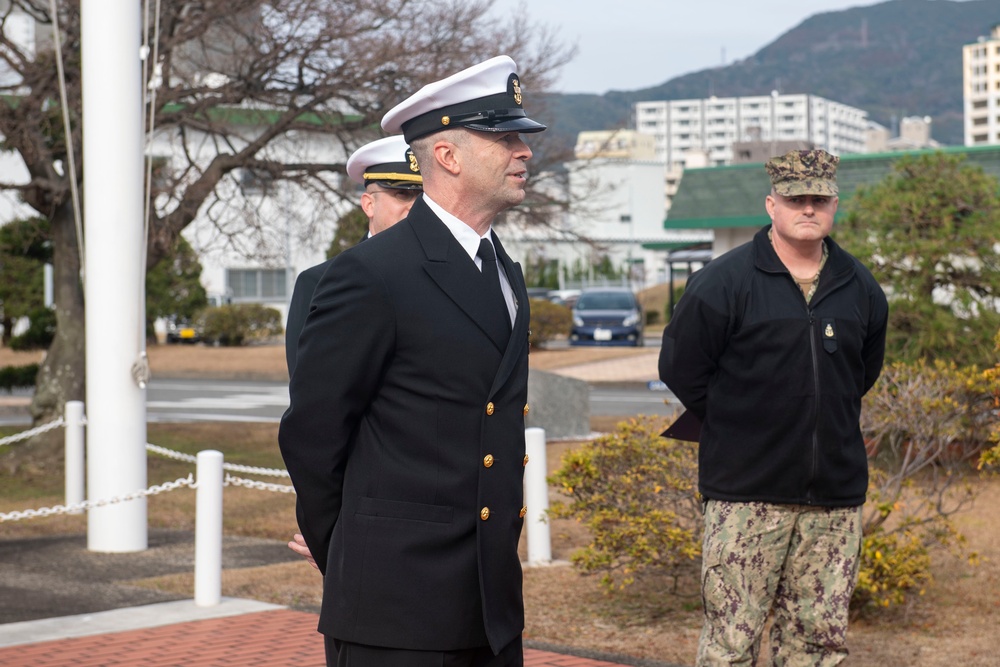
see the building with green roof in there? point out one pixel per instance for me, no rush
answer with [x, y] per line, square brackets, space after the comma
[729, 200]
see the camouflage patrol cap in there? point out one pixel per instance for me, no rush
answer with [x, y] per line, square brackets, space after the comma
[804, 173]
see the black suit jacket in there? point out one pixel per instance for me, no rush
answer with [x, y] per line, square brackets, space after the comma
[298, 307]
[405, 442]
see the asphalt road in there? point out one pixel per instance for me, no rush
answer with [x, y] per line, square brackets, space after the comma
[206, 400]
[245, 401]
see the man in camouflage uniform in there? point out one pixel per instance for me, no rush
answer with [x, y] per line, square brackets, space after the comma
[771, 348]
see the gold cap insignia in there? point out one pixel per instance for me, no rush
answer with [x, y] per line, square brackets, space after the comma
[445, 120]
[414, 167]
[517, 91]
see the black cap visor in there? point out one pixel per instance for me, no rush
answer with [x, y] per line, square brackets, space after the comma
[395, 185]
[494, 113]
[507, 125]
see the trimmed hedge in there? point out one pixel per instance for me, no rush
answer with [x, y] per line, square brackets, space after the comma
[17, 377]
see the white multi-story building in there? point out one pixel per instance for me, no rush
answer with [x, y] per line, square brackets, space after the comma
[714, 124]
[614, 214]
[981, 90]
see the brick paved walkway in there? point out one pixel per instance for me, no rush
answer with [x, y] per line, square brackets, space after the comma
[280, 637]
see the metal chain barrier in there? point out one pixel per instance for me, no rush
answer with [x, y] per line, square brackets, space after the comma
[89, 504]
[260, 486]
[171, 454]
[24, 435]
[188, 481]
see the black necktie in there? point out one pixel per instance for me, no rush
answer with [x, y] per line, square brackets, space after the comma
[500, 318]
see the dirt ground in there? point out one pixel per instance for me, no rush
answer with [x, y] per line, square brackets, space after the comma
[267, 362]
[953, 625]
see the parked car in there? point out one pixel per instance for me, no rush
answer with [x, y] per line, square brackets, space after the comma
[564, 297]
[182, 331]
[607, 316]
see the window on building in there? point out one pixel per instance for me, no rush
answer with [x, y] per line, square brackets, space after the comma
[979, 104]
[979, 138]
[257, 284]
[161, 173]
[979, 121]
[255, 181]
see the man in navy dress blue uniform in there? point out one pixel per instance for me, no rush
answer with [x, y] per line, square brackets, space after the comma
[405, 434]
[388, 171]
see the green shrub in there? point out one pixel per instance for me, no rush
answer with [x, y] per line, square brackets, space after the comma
[548, 320]
[989, 460]
[16, 377]
[894, 565]
[637, 493]
[926, 426]
[678, 291]
[41, 331]
[239, 324]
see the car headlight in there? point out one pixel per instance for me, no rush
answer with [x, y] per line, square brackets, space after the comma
[631, 320]
[577, 321]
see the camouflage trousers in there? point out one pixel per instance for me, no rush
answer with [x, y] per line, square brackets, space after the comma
[799, 562]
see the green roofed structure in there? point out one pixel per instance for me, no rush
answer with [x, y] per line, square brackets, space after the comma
[730, 200]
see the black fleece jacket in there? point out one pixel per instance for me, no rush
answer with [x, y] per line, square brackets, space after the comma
[777, 382]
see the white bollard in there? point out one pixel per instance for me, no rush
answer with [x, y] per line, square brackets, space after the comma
[536, 498]
[74, 444]
[208, 530]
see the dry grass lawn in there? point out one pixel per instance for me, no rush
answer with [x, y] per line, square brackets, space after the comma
[954, 625]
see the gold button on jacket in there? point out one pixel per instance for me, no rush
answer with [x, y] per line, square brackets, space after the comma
[489, 408]
[524, 510]
[484, 513]
[488, 461]
[525, 460]
[526, 408]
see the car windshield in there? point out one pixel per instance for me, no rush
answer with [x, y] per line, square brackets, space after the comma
[605, 301]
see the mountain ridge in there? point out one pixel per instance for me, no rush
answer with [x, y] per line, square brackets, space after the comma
[892, 59]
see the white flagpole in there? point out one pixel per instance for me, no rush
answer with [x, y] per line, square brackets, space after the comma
[110, 39]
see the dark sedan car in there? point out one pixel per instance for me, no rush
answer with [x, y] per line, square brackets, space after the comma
[607, 316]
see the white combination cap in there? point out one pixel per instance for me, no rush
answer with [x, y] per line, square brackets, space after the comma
[388, 162]
[486, 97]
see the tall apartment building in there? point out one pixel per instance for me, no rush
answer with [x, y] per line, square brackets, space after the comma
[981, 86]
[714, 124]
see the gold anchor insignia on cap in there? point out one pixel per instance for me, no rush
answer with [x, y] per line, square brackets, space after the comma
[413, 161]
[517, 91]
[445, 120]
[828, 332]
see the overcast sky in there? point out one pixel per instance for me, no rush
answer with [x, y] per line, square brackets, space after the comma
[633, 44]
